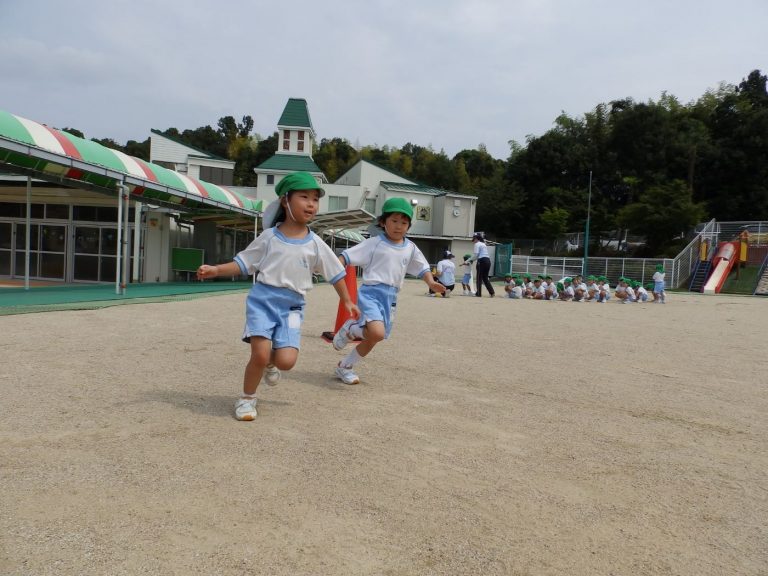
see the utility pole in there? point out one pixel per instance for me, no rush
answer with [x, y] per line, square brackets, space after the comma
[584, 266]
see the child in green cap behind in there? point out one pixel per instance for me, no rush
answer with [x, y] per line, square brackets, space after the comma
[385, 260]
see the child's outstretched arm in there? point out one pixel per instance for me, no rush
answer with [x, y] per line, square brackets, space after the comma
[433, 285]
[229, 269]
[341, 289]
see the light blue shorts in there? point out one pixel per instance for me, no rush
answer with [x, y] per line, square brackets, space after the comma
[658, 287]
[467, 279]
[377, 302]
[275, 314]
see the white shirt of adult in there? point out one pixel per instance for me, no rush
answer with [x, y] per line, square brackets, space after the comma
[384, 262]
[289, 262]
[481, 250]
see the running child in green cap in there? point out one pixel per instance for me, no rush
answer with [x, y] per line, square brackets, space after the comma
[466, 280]
[385, 260]
[285, 257]
[658, 285]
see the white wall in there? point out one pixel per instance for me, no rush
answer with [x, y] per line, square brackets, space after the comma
[166, 150]
[157, 247]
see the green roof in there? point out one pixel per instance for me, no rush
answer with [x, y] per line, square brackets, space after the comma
[296, 114]
[289, 162]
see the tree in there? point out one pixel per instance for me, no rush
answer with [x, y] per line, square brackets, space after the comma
[663, 213]
[74, 132]
[553, 223]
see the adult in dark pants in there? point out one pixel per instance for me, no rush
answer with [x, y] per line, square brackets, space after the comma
[483, 265]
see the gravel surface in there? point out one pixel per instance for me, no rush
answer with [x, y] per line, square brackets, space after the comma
[488, 436]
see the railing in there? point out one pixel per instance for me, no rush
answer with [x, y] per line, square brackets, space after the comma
[685, 262]
[760, 274]
[758, 231]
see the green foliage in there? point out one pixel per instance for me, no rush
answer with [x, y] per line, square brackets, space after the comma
[658, 166]
[553, 222]
[662, 213]
[74, 132]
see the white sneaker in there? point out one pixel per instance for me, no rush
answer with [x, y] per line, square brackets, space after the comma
[342, 337]
[347, 375]
[272, 375]
[245, 409]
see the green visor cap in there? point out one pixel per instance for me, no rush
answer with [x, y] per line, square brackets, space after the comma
[560, 286]
[659, 267]
[507, 275]
[467, 256]
[398, 205]
[298, 181]
[590, 277]
[568, 279]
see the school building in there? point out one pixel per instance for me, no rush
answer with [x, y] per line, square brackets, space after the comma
[91, 214]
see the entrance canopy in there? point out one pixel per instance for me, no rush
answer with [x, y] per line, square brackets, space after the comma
[335, 222]
[33, 149]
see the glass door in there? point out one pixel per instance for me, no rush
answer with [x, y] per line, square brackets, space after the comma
[53, 251]
[6, 247]
[95, 257]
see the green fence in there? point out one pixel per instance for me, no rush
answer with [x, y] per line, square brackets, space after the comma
[503, 260]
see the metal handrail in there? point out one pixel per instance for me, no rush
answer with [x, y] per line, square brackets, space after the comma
[760, 274]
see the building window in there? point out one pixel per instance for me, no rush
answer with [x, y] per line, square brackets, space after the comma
[270, 179]
[301, 146]
[286, 145]
[370, 205]
[286, 139]
[216, 175]
[301, 135]
[337, 203]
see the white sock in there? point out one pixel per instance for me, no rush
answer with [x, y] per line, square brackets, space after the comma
[351, 359]
[356, 331]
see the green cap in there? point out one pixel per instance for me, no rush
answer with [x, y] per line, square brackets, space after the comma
[298, 181]
[398, 205]
[560, 286]
[590, 277]
[508, 275]
[467, 256]
[660, 267]
[568, 279]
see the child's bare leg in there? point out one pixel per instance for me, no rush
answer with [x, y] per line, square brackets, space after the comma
[373, 333]
[261, 351]
[284, 358]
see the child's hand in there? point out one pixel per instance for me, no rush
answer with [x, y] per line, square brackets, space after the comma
[353, 310]
[206, 271]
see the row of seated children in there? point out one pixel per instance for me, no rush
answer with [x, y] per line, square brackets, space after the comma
[594, 289]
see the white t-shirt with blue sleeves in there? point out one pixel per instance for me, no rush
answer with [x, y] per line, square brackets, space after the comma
[289, 262]
[446, 272]
[384, 262]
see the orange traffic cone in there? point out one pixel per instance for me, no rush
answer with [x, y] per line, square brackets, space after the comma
[342, 315]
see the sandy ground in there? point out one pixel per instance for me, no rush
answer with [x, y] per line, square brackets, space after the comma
[488, 437]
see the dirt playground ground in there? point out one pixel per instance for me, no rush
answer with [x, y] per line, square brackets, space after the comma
[488, 437]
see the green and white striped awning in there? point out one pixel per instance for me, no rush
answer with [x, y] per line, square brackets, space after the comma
[34, 149]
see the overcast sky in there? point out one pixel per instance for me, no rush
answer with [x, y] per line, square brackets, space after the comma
[445, 73]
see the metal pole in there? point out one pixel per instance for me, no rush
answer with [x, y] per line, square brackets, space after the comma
[28, 233]
[126, 241]
[118, 266]
[585, 267]
[136, 242]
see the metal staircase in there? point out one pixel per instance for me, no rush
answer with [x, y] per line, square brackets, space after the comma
[762, 283]
[699, 276]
